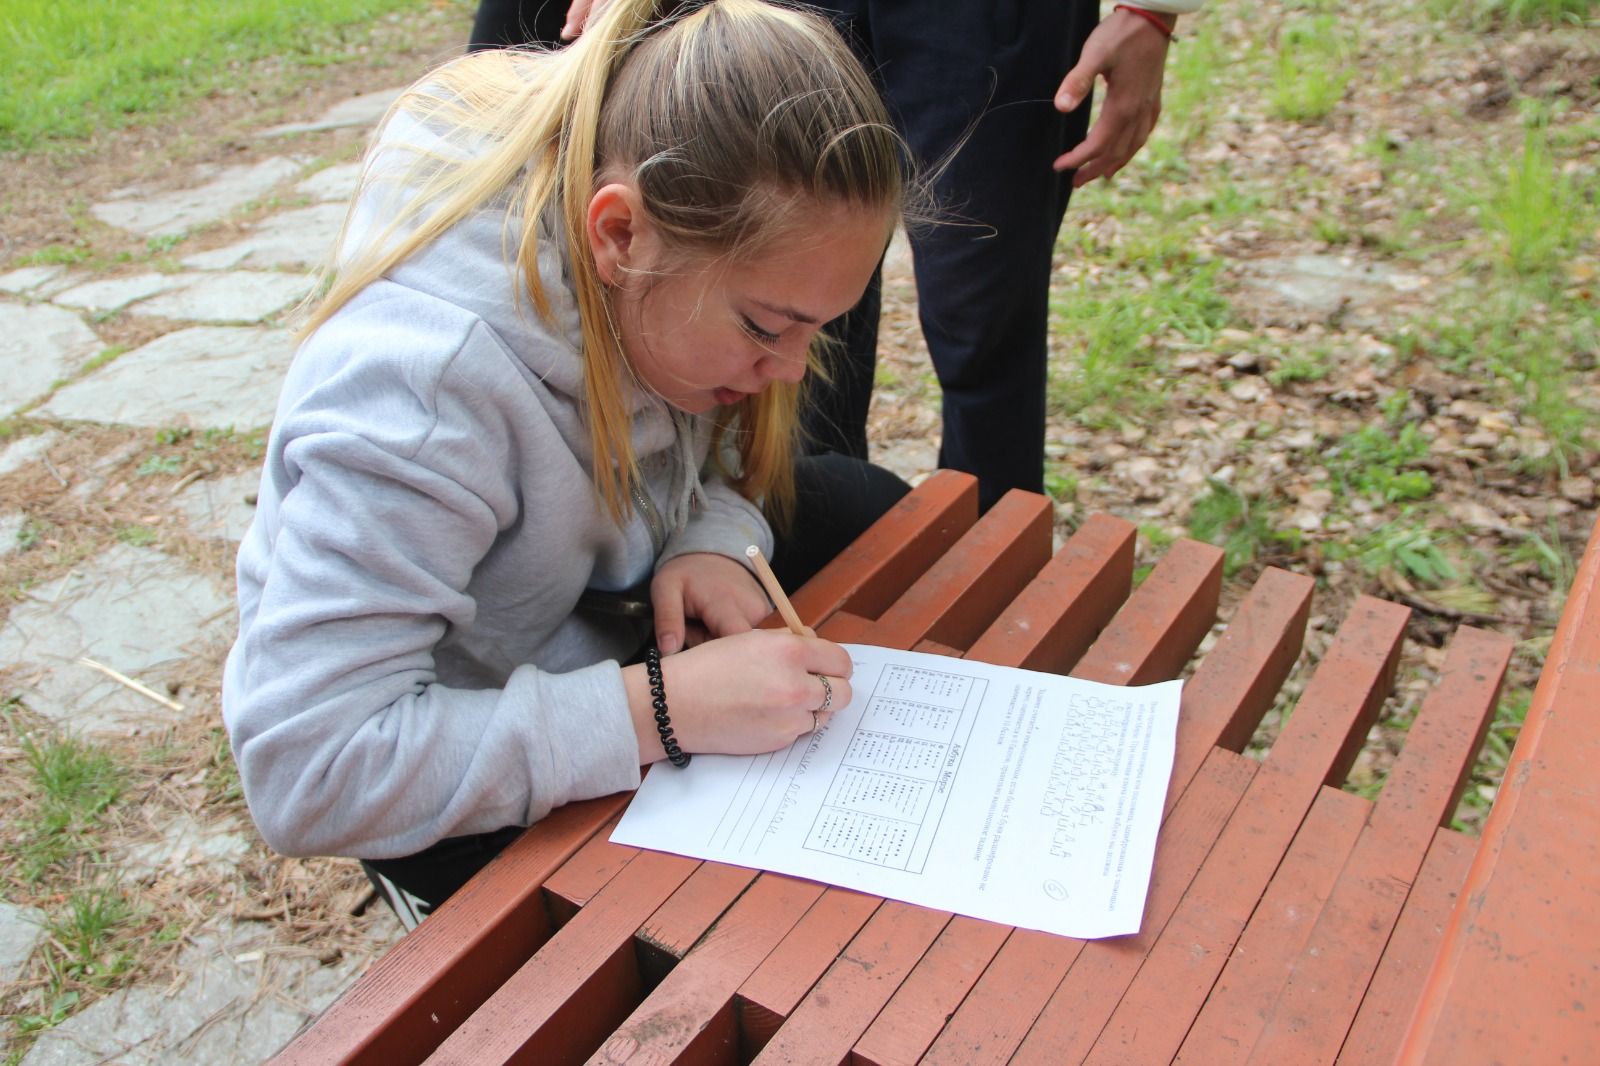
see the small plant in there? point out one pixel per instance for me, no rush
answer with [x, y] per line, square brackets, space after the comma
[1406, 550]
[163, 242]
[139, 536]
[1298, 366]
[84, 936]
[1310, 75]
[173, 434]
[1063, 488]
[1226, 517]
[160, 464]
[1375, 463]
[74, 784]
[1534, 210]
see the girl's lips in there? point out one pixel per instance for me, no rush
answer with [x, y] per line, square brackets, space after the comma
[728, 397]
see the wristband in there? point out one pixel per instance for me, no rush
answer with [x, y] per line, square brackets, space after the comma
[658, 700]
[1150, 17]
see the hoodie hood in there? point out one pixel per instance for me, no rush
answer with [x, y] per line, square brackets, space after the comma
[473, 266]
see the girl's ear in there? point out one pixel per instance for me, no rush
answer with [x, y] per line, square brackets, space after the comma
[618, 230]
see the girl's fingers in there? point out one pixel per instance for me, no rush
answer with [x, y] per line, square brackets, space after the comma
[668, 599]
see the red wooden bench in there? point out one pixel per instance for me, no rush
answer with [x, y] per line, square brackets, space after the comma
[1287, 920]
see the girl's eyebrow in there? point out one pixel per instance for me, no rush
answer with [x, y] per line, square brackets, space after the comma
[788, 312]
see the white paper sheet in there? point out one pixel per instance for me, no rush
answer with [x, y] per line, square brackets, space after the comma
[1020, 797]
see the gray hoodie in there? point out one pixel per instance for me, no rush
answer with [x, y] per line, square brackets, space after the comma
[409, 664]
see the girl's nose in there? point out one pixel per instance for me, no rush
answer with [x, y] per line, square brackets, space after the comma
[787, 365]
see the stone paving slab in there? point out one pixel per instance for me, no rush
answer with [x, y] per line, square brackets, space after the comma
[337, 184]
[237, 296]
[358, 111]
[21, 928]
[159, 214]
[10, 529]
[217, 508]
[22, 451]
[185, 843]
[26, 279]
[136, 610]
[39, 345]
[300, 238]
[111, 294]
[202, 377]
[237, 1001]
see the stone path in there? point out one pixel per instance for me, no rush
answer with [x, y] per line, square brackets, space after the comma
[217, 365]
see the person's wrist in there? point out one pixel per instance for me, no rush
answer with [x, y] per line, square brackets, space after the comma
[1166, 24]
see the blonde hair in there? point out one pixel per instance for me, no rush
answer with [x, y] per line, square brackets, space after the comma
[733, 119]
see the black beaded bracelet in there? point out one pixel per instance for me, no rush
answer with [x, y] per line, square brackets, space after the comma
[658, 700]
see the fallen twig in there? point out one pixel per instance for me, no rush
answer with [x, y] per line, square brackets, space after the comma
[139, 687]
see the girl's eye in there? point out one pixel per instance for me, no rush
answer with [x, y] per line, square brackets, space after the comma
[757, 332]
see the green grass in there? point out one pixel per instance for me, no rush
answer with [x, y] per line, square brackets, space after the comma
[1482, 13]
[1240, 525]
[1381, 465]
[1311, 72]
[69, 70]
[1535, 214]
[74, 783]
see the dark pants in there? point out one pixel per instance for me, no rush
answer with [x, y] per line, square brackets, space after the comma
[837, 498]
[509, 23]
[981, 76]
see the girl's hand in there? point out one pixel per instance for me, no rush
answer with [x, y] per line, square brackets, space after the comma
[719, 593]
[741, 695]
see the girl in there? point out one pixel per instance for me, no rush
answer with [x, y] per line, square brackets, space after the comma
[575, 299]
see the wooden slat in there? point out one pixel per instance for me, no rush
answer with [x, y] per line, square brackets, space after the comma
[884, 561]
[1516, 967]
[689, 1016]
[856, 986]
[784, 977]
[1054, 620]
[1163, 621]
[957, 597]
[561, 1004]
[1386, 1008]
[1314, 1012]
[1237, 682]
[842, 627]
[909, 1022]
[1341, 700]
[586, 873]
[993, 1021]
[424, 986]
[685, 917]
[1232, 1018]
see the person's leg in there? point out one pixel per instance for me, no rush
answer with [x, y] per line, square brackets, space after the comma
[836, 498]
[834, 417]
[415, 885]
[509, 23]
[983, 275]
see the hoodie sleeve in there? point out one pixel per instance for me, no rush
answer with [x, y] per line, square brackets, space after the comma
[347, 744]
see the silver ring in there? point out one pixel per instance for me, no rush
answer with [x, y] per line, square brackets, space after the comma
[827, 694]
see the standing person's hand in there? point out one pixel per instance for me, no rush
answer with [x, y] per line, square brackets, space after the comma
[742, 695]
[1131, 55]
[579, 12]
[718, 593]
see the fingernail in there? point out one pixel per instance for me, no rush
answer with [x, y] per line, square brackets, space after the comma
[668, 644]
